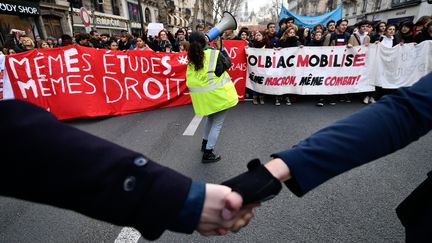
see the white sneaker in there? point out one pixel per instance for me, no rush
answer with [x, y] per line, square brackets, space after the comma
[372, 100]
[366, 100]
[288, 101]
[277, 102]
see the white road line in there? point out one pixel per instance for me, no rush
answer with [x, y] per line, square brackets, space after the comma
[128, 235]
[193, 125]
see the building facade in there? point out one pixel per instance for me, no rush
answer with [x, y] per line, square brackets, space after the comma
[20, 17]
[391, 11]
[52, 18]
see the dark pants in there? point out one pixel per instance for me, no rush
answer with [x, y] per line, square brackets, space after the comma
[415, 213]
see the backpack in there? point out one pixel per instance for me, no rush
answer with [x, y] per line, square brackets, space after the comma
[357, 38]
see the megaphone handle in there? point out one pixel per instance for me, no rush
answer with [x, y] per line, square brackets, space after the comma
[221, 46]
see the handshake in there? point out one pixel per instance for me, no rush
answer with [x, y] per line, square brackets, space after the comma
[228, 207]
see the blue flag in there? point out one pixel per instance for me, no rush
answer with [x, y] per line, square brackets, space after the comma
[303, 21]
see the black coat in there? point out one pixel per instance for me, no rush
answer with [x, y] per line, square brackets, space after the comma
[53, 163]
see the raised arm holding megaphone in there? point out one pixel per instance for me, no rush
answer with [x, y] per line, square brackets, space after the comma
[228, 22]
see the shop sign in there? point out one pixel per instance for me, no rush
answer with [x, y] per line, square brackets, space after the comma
[376, 18]
[19, 8]
[108, 22]
[135, 25]
[401, 12]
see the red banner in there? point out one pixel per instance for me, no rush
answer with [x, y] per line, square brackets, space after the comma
[77, 81]
[237, 72]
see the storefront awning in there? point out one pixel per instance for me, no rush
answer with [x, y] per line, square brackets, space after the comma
[175, 20]
[171, 20]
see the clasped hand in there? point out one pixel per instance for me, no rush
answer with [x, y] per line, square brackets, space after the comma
[228, 207]
[223, 211]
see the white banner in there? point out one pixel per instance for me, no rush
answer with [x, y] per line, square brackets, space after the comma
[336, 70]
[400, 66]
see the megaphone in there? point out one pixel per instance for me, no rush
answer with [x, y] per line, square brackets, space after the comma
[227, 22]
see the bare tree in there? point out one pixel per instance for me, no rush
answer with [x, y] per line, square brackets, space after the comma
[275, 9]
[220, 6]
[163, 13]
[195, 14]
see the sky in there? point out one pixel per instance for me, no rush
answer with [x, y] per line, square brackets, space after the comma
[255, 4]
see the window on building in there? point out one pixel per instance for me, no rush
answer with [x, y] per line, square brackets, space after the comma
[147, 15]
[97, 6]
[76, 3]
[364, 6]
[115, 7]
[134, 14]
[404, 2]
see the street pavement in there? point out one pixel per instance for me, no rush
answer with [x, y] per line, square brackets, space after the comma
[357, 206]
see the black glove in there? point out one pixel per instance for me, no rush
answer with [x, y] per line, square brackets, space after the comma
[255, 185]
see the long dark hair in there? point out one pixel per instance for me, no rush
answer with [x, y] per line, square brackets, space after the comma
[196, 50]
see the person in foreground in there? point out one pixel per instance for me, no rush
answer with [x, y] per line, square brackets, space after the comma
[382, 128]
[62, 166]
[211, 90]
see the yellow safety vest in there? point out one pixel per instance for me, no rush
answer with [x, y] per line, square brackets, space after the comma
[209, 93]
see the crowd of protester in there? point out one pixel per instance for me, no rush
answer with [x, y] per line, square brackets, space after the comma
[284, 35]
[335, 33]
[164, 41]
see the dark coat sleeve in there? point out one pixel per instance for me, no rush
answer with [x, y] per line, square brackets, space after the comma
[223, 63]
[47, 161]
[375, 131]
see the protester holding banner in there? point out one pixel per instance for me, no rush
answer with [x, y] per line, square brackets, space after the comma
[28, 43]
[339, 37]
[83, 39]
[361, 37]
[164, 44]
[180, 36]
[425, 34]
[389, 39]
[319, 28]
[317, 39]
[331, 27]
[373, 132]
[112, 45]
[379, 31]
[272, 38]
[304, 35]
[405, 32]
[421, 23]
[259, 41]
[243, 35]
[288, 39]
[272, 42]
[140, 44]
[211, 90]
[126, 42]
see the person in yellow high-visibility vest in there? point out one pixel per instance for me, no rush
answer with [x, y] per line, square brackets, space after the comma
[211, 90]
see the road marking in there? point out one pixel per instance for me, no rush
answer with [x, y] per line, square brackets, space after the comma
[193, 125]
[128, 235]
